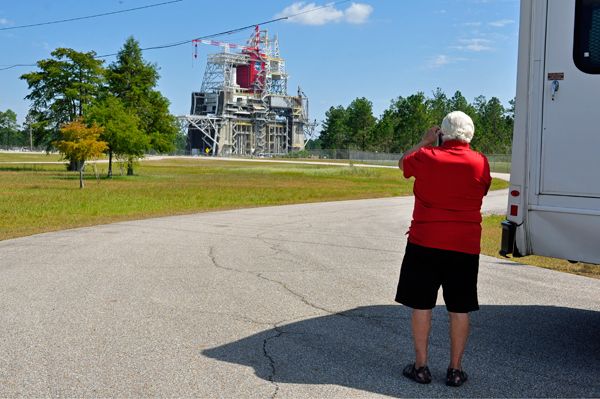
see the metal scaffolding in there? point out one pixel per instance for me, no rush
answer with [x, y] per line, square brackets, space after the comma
[243, 107]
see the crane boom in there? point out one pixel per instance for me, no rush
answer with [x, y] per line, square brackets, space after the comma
[251, 45]
[222, 44]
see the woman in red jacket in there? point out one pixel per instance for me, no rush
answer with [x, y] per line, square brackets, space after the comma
[444, 238]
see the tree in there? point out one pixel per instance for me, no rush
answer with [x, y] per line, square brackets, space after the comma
[8, 127]
[132, 80]
[493, 126]
[382, 136]
[80, 143]
[334, 132]
[314, 144]
[412, 119]
[403, 124]
[60, 91]
[459, 103]
[360, 122]
[439, 106]
[121, 133]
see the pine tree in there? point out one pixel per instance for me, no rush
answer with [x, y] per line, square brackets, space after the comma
[133, 80]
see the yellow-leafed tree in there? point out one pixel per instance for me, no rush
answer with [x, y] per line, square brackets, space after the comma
[81, 143]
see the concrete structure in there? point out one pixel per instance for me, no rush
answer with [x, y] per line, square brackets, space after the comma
[243, 107]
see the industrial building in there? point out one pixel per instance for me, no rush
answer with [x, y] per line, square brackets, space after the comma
[243, 107]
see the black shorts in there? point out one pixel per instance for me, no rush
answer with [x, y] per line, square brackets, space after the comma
[424, 270]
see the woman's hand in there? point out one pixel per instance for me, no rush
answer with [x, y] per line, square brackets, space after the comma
[431, 135]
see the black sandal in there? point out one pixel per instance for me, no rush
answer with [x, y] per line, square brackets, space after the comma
[455, 378]
[420, 375]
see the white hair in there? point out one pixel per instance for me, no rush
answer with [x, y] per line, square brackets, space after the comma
[458, 126]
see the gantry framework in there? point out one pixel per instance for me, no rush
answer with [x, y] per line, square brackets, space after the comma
[243, 107]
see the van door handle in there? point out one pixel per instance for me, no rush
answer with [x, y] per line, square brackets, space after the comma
[555, 86]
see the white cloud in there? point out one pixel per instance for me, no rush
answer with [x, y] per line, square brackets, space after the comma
[441, 60]
[438, 61]
[501, 23]
[42, 44]
[358, 13]
[3, 21]
[311, 14]
[473, 45]
[472, 24]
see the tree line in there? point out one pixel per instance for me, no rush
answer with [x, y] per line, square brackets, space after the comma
[121, 98]
[403, 124]
[10, 134]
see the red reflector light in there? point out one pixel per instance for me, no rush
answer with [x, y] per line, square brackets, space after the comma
[515, 193]
[514, 210]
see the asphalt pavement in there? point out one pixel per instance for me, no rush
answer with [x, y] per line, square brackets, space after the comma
[289, 302]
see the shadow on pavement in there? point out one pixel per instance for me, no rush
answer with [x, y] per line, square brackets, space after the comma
[513, 351]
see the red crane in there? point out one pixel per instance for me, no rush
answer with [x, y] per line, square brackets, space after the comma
[252, 44]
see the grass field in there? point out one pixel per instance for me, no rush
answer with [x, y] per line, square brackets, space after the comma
[27, 157]
[45, 197]
[40, 197]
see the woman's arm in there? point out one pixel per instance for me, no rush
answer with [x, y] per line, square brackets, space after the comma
[429, 138]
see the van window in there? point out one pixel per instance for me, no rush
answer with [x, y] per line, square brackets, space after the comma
[586, 46]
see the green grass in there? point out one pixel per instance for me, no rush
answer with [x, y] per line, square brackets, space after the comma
[500, 167]
[27, 157]
[490, 245]
[45, 197]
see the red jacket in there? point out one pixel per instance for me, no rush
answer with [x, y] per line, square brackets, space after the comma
[450, 183]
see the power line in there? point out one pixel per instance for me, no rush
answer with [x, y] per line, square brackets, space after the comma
[207, 36]
[17, 65]
[232, 31]
[90, 16]
[202, 37]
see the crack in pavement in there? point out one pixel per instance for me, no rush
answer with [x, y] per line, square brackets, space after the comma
[279, 332]
[266, 354]
[271, 360]
[212, 257]
[301, 297]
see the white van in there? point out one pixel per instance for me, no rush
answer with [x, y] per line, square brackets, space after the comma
[554, 196]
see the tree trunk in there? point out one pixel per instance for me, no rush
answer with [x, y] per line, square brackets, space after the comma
[76, 165]
[130, 169]
[109, 163]
[81, 175]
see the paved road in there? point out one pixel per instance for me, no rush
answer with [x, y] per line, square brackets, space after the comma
[290, 301]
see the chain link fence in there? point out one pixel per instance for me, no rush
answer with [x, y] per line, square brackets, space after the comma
[376, 158]
[14, 148]
[499, 163]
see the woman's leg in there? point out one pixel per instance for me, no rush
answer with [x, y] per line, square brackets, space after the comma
[421, 326]
[459, 331]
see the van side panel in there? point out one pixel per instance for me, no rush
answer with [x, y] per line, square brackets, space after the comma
[558, 208]
[565, 235]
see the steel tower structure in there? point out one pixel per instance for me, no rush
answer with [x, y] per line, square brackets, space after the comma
[243, 107]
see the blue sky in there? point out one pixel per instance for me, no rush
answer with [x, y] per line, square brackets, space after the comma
[367, 48]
